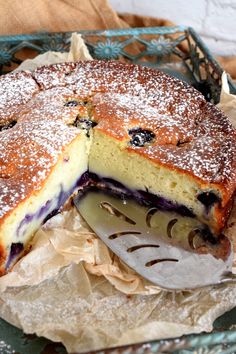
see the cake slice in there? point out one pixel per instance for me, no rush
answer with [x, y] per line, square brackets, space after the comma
[176, 162]
[42, 164]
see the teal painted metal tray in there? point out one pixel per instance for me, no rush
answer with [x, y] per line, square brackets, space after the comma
[178, 51]
[175, 50]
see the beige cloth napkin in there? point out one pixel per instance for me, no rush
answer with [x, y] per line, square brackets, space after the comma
[28, 16]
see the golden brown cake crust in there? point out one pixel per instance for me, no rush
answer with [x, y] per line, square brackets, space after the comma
[202, 144]
[30, 149]
[2, 259]
[192, 136]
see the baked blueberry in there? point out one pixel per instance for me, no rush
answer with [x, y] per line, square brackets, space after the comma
[180, 143]
[72, 103]
[16, 248]
[208, 198]
[85, 124]
[141, 137]
[8, 126]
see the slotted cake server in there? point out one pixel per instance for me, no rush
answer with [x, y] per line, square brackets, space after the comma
[151, 242]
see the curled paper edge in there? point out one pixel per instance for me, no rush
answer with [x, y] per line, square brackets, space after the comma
[78, 51]
[227, 100]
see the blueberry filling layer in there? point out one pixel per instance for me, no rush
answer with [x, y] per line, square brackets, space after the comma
[142, 197]
[208, 199]
[51, 207]
[46, 211]
[16, 250]
[90, 180]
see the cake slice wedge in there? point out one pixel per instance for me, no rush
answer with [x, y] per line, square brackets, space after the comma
[40, 169]
[176, 162]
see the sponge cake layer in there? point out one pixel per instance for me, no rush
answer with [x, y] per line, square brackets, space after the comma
[33, 182]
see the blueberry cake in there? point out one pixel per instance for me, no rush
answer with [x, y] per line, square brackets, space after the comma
[130, 129]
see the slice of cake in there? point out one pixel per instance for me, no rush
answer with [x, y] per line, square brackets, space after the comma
[42, 162]
[126, 128]
[182, 163]
[42, 167]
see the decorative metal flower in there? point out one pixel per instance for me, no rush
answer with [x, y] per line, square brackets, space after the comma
[160, 47]
[108, 49]
[55, 43]
[5, 56]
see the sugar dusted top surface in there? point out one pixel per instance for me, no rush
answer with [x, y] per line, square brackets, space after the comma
[190, 134]
[30, 149]
[15, 90]
[201, 142]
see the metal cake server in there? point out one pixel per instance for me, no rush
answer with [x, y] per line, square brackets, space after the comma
[149, 241]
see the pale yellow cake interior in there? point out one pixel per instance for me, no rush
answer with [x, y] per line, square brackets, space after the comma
[110, 158]
[72, 163]
[107, 157]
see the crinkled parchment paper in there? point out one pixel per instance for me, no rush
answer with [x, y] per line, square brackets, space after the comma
[71, 288]
[227, 101]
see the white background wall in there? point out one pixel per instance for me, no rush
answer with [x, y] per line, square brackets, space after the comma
[214, 20]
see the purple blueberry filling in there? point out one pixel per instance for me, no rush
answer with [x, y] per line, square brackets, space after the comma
[165, 204]
[44, 212]
[112, 186]
[83, 180]
[208, 199]
[142, 197]
[30, 217]
[16, 249]
[90, 180]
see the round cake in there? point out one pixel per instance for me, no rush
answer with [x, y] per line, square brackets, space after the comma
[128, 128]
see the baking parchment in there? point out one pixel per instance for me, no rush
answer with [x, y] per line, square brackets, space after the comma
[71, 288]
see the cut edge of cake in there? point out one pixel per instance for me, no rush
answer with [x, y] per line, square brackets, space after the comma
[137, 173]
[19, 224]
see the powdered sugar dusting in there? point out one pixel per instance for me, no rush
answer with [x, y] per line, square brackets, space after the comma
[28, 151]
[118, 113]
[202, 143]
[15, 90]
[51, 104]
